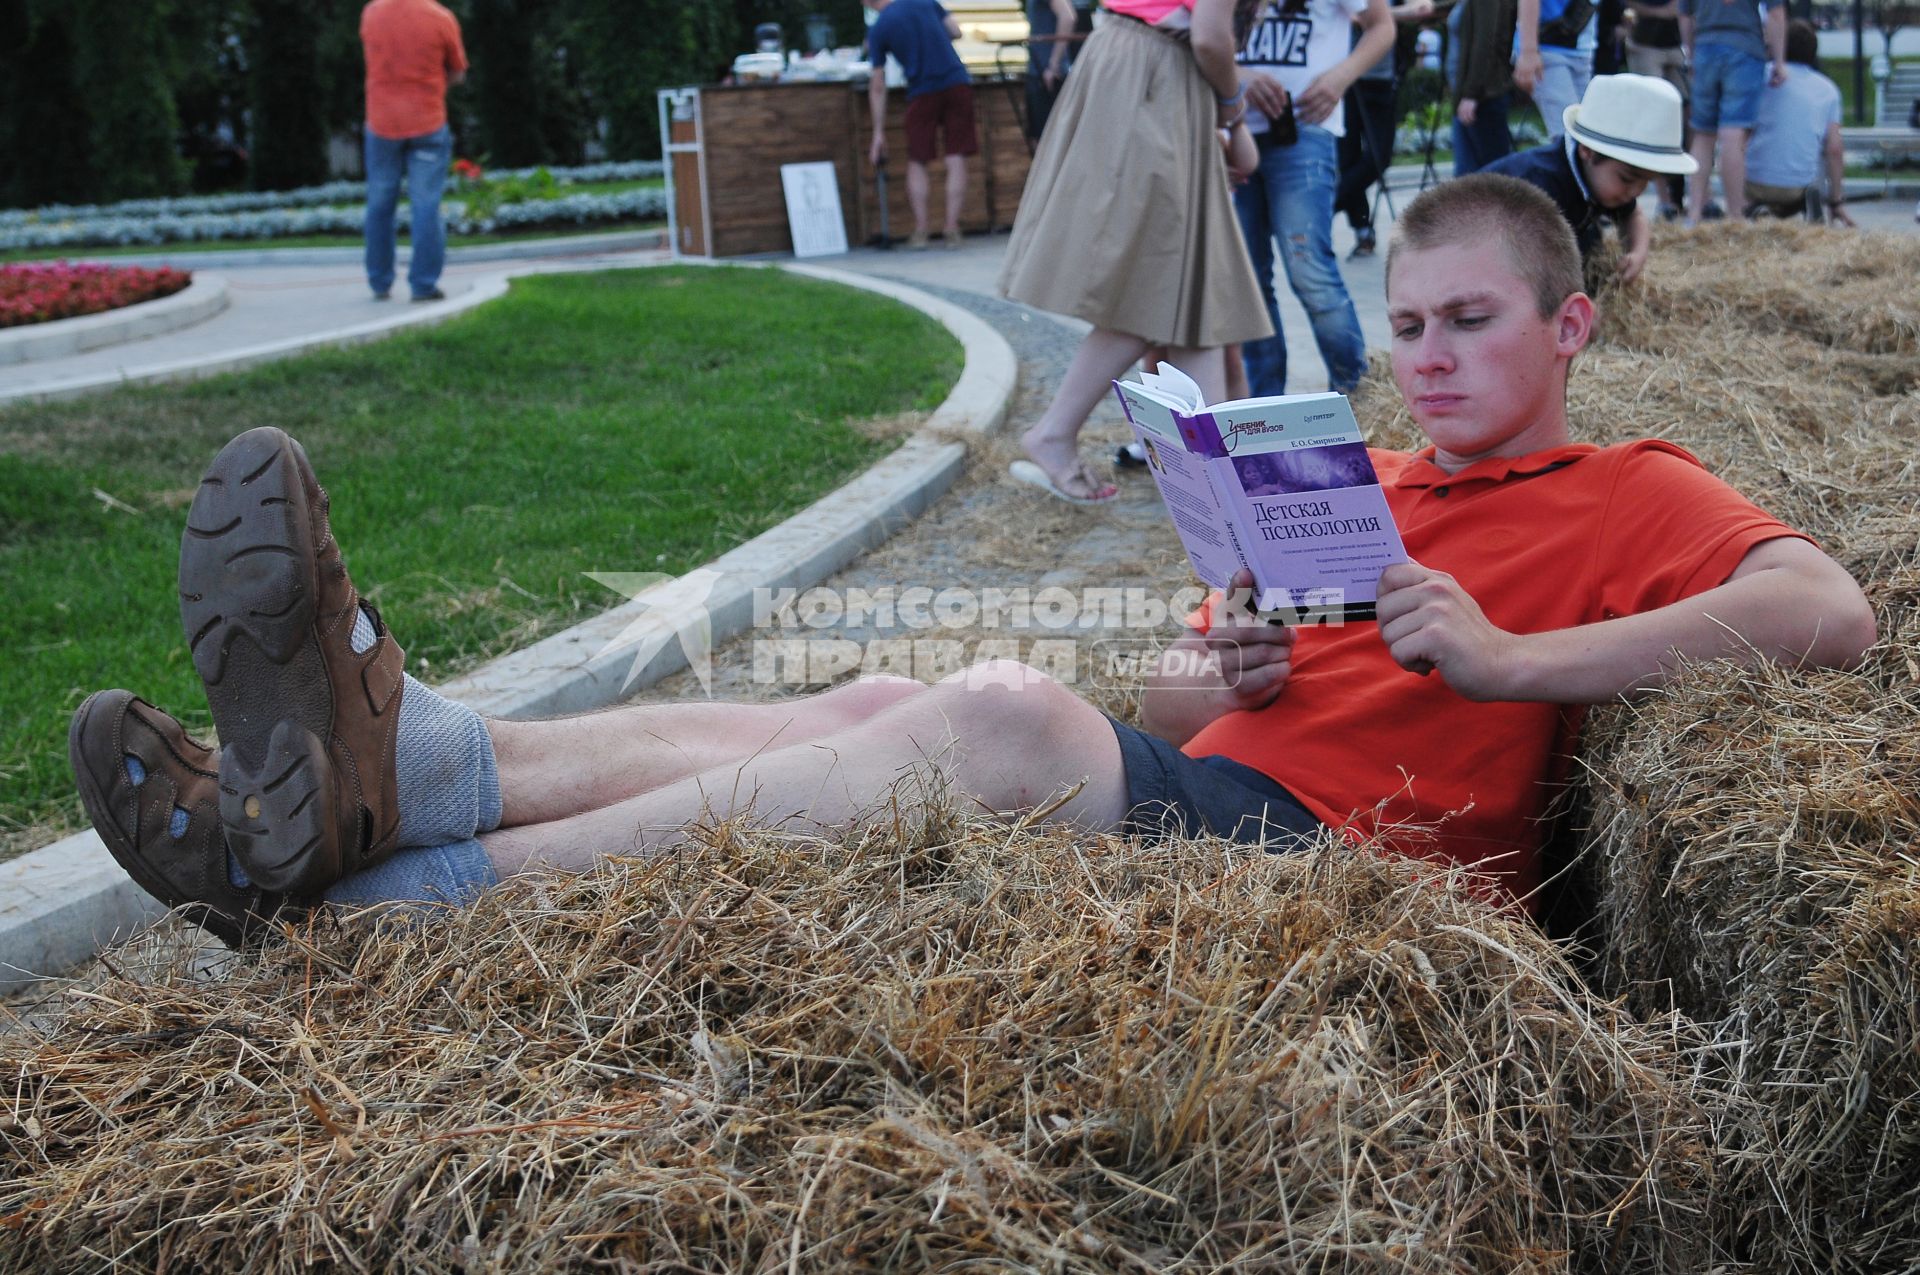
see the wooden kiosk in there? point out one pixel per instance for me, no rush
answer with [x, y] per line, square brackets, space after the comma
[725, 144]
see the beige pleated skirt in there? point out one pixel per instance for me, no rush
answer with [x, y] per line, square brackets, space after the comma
[1127, 219]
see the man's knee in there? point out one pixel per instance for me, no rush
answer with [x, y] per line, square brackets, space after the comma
[866, 696]
[1004, 698]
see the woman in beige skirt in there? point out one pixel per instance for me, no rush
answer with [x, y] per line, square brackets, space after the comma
[1127, 220]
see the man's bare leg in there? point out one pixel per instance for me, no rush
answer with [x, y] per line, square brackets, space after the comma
[1005, 736]
[1733, 170]
[956, 193]
[553, 769]
[1701, 148]
[918, 184]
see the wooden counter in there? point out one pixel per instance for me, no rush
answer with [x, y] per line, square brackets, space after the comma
[725, 146]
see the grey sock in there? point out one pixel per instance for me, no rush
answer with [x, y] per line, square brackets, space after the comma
[457, 873]
[449, 784]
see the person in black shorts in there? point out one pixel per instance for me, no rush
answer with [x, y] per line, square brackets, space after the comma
[920, 35]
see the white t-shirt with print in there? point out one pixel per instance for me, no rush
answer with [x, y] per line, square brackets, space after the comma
[1295, 48]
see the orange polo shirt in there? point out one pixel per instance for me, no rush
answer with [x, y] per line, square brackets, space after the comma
[1568, 536]
[412, 46]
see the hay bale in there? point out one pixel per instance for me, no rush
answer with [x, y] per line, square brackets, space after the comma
[1757, 835]
[1752, 834]
[1754, 831]
[967, 1046]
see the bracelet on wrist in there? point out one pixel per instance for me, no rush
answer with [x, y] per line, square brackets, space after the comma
[1228, 103]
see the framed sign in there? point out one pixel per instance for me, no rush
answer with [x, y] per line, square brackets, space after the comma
[813, 209]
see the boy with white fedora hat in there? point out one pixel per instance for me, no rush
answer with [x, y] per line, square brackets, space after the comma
[1624, 132]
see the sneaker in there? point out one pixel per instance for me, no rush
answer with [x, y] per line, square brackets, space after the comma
[383, 294]
[1130, 456]
[1713, 212]
[1363, 243]
[308, 792]
[431, 294]
[917, 241]
[1670, 213]
[952, 239]
[152, 793]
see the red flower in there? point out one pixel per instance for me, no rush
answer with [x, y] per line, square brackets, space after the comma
[467, 171]
[40, 291]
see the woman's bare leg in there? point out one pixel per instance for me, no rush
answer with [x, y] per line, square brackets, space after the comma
[1054, 440]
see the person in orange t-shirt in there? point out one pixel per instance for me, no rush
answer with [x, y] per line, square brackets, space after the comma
[414, 55]
[1546, 575]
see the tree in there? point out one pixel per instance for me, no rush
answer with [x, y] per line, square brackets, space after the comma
[1890, 17]
[286, 93]
[45, 125]
[629, 49]
[120, 68]
[525, 101]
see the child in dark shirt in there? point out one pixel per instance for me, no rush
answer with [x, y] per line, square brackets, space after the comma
[1626, 131]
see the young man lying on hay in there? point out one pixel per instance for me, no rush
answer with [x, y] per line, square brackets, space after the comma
[1546, 574]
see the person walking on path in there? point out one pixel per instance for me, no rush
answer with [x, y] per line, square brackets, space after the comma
[1366, 151]
[1653, 48]
[1482, 89]
[1729, 45]
[414, 55]
[1299, 64]
[1553, 44]
[920, 35]
[1127, 220]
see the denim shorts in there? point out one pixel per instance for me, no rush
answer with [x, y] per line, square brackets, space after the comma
[1726, 87]
[1171, 794]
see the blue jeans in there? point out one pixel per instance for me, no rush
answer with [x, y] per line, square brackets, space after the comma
[1290, 198]
[424, 160]
[1485, 140]
[1564, 76]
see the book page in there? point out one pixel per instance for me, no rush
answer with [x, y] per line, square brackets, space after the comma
[1206, 532]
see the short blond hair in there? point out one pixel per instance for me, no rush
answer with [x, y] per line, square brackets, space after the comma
[1481, 206]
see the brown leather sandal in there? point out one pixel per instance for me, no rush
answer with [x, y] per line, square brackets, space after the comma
[152, 794]
[307, 726]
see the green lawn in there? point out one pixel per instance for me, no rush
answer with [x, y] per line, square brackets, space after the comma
[1840, 71]
[639, 420]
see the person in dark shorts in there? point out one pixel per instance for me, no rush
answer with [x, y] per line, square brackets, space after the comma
[920, 35]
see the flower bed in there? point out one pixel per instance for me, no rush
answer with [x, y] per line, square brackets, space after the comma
[344, 192]
[507, 199]
[40, 292]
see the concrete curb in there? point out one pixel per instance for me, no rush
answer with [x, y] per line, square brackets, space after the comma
[633, 645]
[62, 904]
[205, 297]
[571, 246]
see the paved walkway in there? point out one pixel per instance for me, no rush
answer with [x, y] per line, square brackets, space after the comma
[274, 301]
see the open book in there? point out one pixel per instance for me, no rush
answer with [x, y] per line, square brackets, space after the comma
[1281, 485]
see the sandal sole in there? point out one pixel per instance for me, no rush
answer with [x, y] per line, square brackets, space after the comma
[279, 816]
[248, 592]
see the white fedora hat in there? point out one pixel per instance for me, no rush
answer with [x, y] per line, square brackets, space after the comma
[1635, 119]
